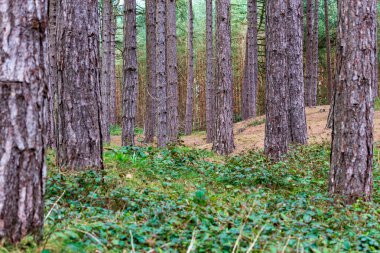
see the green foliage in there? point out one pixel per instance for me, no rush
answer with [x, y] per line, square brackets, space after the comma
[116, 130]
[257, 122]
[377, 104]
[162, 199]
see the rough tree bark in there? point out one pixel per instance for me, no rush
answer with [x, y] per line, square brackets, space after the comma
[79, 101]
[171, 56]
[251, 68]
[150, 109]
[106, 68]
[161, 75]
[23, 96]
[113, 117]
[130, 77]
[309, 52]
[210, 91]
[190, 72]
[224, 136]
[352, 136]
[296, 101]
[328, 53]
[314, 84]
[276, 128]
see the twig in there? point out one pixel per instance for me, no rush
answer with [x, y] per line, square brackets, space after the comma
[55, 204]
[133, 245]
[255, 240]
[286, 245]
[192, 242]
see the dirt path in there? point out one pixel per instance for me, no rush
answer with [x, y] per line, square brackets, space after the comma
[250, 134]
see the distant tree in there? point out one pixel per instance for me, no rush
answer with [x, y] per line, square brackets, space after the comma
[224, 136]
[190, 72]
[352, 136]
[150, 105]
[210, 89]
[251, 66]
[130, 77]
[113, 71]
[314, 86]
[161, 74]
[172, 69]
[328, 53]
[79, 101]
[23, 86]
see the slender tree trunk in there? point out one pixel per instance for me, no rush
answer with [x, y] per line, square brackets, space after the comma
[251, 68]
[244, 86]
[314, 87]
[210, 91]
[150, 109]
[171, 56]
[113, 72]
[79, 101]
[309, 52]
[190, 73]
[224, 138]
[23, 97]
[328, 53]
[294, 33]
[276, 129]
[130, 77]
[161, 75]
[352, 136]
[106, 68]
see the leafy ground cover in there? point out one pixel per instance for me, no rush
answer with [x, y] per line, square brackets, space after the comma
[186, 200]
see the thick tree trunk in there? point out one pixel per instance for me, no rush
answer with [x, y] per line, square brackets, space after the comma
[276, 129]
[328, 53]
[314, 84]
[294, 32]
[352, 136]
[161, 75]
[309, 52]
[23, 97]
[106, 68]
[171, 56]
[224, 138]
[190, 72]
[130, 77]
[150, 109]
[79, 101]
[113, 117]
[251, 68]
[210, 91]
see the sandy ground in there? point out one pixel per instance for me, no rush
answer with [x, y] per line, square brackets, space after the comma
[250, 134]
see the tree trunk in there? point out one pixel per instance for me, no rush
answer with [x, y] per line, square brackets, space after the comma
[309, 52]
[130, 77]
[23, 97]
[296, 116]
[352, 136]
[314, 84]
[171, 55]
[328, 53]
[106, 68]
[210, 91]
[150, 109]
[224, 138]
[162, 124]
[251, 68]
[190, 72]
[113, 72]
[276, 129]
[79, 101]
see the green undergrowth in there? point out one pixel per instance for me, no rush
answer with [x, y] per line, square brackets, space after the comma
[184, 200]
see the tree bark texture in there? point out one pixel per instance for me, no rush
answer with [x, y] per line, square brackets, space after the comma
[210, 90]
[309, 52]
[314, 83]
[251, 68]
[79, 100]
[113, 118]
[130, 78]
[172, 69]
[150, 105]
[328, 53]
[190, 72]
[23, 97]
[224, 138]
[161, 74]
[352, 136]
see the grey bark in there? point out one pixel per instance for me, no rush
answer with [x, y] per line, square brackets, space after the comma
[224, 138]
[106, 68]
[161, 74]
[171, 55]
[150, 109]
[190, 72]
[352, 137]
[296, 102]
[328, 53]
[314, 84]
[130, 77]
[113, 117]
[23, 97]
[210, 90]
[276, 128]
[79, 101]
[309, 52]
[251, 68]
